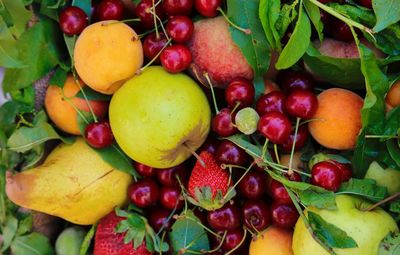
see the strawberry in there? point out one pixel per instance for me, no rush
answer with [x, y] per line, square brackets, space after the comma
[209, 183]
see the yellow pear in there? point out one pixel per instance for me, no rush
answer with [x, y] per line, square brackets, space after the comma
[73, 183]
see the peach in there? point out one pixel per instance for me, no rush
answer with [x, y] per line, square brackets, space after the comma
[273, 241]
[337, 122]
[60, 103]
[393, 95]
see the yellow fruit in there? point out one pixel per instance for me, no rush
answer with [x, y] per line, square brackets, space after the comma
[158, 118]
[106, 54]
[389, 177]
[273, 241]
[73, 183]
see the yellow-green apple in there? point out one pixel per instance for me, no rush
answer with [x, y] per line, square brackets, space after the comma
[158, 118]
[367, 228]
[389, 177]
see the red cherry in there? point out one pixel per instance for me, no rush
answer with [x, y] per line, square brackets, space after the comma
[229, 153]
[110, 10]
[210, 145]
[99, 134]
[284, 216]
[294, 177]
[180, 28]
[73, 20]
[291, 80]
[226, 218]
[275, 126]
[222, 123]
[326, 175]
[176, 58]
[168, 176]
[153, 45]
[158, 218]
[301, 104]
[170, 198]
[345, 170]
[253, 185]
[233, 239]
[365, 3]
[178, 7]
[272, 102]
[144, 192]
[144, 10]
[207, 8]
[301, 139]
[256, 215]
[143, 170]
[279, 193]
[239, 91]
[340, 30]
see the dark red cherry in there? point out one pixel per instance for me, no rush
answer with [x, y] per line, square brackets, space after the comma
[158, 219]
[326, 175]
[340, 30]
[301, 104]
[256, 215]
[73, 20]
[239, 91]
[301, 139]
[210, 145]
[233, 239]
[144, 192]
[222, 123]
[345, 170]
[274, 101]
[226, 218]
[144, 10]
[170, 198]
[290, 80]
[253, 185]
[177, 7]
[180, 28]
[99, 134]
[229, 153]
[294, 177]
[152, 45]
[279, 193]
[168, 176]
[110, 10]
[176, 58]
[365, 3]
[207, 8]
[143, 170]
[283, 215]
[275, 126]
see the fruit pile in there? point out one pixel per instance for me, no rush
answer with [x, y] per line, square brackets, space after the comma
[200, 127]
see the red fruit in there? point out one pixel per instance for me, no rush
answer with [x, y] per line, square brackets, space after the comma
[291, 80]
[170, 198]
[222, 123]
[178, 7]
[279, 193]
[110, 10]
[153, 45]
[326, 175]
[256, 215]
[301, 139]
[144, 10]
[345, 170]
[284, 216]
[365, 3]
[301, 104]
[73, 20]
[239, 91]
[210, 145]
[144, 192]
[229, 153]
[208, 182]
[180, 28]
[107, 242]
[272, 102]
[340, 31]
[158, 218]
[168, 176]
[176, 58]
[207, 8]
[275, 126]
[253, 185]
[99, 134]
[233, 239]
[226, 218]
[143, 170]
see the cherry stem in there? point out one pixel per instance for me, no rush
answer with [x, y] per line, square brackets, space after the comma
[168, 219]
[240, 179]
[276, 154]
[240, 244]
[74, 106]
[149, 31]
[309, 120]
[155, 57]
[290, 171]
[76, 80]
[200, 224]
[382, 136]
[155, 19]
[224, 166]
[247, 31]
[384, 201]
[264, 150]
[121, 21]
[220, 243]
[194, 154]
[212, 92]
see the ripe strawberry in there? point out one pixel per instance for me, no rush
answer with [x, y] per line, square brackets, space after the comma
[209, 183]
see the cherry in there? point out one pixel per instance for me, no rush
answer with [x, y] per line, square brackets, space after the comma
[275, 126]
[207, 8]
[222, 123]
[168, 176]
[99, 134]
[301, 139]
[291, 80]
[229, 153]
[144, 192]
[152, 45]
[283, 215]
[326, 175]
[144, 10]
[340, 30]
[73, 20]
[301, 104]
[253, 185]
[143, 170]
[279, 193]
[170, 198]
[210, 145]
[345, 170]
[180, 28]
[274, 101]
[365, 3]
[226, 218]
[294, 177]
[158, 218]
[110, 10]
[178, 7]
[176, 58]
[233, 239]
[256, 215]
[239, 91]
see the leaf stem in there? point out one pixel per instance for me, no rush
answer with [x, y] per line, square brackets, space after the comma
[212, 92]
[290, 171]
[247, 31]
[384, 201]
[77, 82]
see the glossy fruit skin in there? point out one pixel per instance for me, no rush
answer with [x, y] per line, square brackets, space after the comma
[73, 20]
[290, 80]
[253, 185]
[279, 193]
[143, 170]
[144, 192]
[168, 176]
[274, 101]
[326, 175]
[210, 145]
[158, 218]
[177, 7]
[153, 45]
[233, 239]
[222, 123]
[340, 30]
[301, 139]
[239, 91]
[170, 198]
[256, 214]
[176, 58]
[275, 126]
[301, 104]
[99, 134]
[345, 170]
[284, 216]
[365, 3]
[226, 218]
[230, 153]
[143, 11]
[180, 28]
[207, 8]
[110, 10]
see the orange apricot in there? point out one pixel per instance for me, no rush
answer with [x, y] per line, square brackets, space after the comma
[393, 95]
[273, 241]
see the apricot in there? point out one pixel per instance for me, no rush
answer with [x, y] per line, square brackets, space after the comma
[106, 54]
[297, 164]
[60, 102]
[393, 95]
[273, 241]
[337, 122]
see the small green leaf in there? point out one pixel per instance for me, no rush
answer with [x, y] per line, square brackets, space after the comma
[70, 43]
[390, 245]
[87, 240]
[19, 16]
[25, 225]
[93, 95]
[395, 206]
[287, 15]
[59, 77]
[321, 200]
[365, 188]
[269, 13]
[394, 151]
[32, 244]
[8, 232]
[315, 17]
[387, 12]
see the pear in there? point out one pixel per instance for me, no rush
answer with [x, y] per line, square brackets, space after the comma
[73, 183]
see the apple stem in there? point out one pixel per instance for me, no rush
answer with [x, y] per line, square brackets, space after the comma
[155, 57]
[247, 31]
[290, 171]
[212, 92]
[194, 154]
[384, 201]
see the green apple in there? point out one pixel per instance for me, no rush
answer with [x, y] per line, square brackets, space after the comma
[158, 118]
[367, 228]
[389, 178]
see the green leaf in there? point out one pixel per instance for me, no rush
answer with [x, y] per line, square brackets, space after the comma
[85, 5]
[330, 234]
[287, 15]
[9, 55]
[315, 17]
[187, 233]
[9, 231]
[8, 113]
[365, 188]
[298, 42]
[387, 12]
[93, 95]
[19, 15]
[394, 151]
[25, 225]
[390, 245]
[59, 77]
[70, 43]
[392, 122]
[87, 240]
[254, 46]
[32, 244]
[269, 13]
[395, 206]
[321, 200]
[25, 96]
